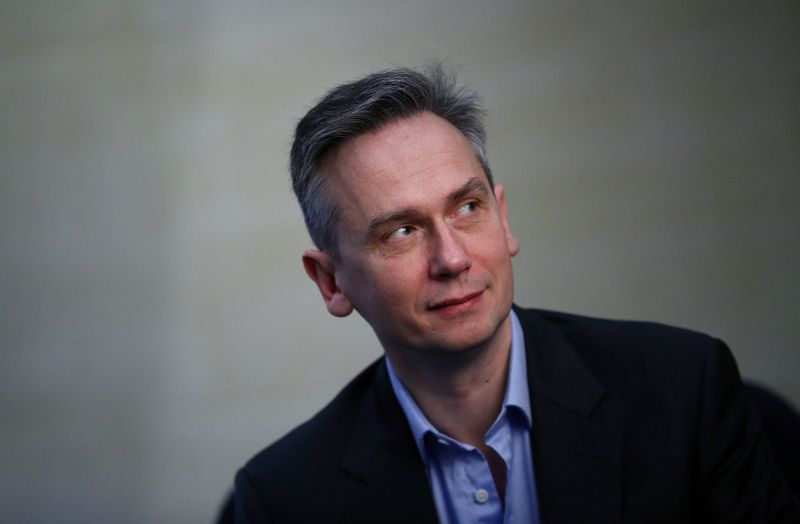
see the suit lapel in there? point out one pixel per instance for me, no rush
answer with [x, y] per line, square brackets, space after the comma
[391, 485]
[575, 441]
[575, 436]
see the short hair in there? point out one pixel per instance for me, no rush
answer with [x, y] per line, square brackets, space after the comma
[364, 105]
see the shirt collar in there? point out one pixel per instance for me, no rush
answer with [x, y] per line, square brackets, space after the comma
[517, 392]
[516, 395]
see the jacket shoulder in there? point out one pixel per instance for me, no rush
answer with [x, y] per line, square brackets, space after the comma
[631, 342]
[296, 470]
[642, 361]
[326, 430]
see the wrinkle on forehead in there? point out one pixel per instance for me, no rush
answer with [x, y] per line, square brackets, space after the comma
[362, 172]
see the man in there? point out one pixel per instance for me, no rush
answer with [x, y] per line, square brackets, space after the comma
[479, 412]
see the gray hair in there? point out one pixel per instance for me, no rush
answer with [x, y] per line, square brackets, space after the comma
[365, 105]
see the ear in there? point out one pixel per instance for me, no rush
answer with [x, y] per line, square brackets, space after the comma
[321, 268]
[511, 240]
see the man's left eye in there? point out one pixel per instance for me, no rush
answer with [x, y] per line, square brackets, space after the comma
[468, 208]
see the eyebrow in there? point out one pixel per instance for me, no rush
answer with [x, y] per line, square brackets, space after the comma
[473, 185]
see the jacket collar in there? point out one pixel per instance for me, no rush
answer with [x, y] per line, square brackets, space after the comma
[575, 442]
[383, 458]
[575, 435]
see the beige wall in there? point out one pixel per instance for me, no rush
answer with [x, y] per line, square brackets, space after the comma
[156, 326]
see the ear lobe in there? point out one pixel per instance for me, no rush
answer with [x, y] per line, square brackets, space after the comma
[320, 268]
[511, 240]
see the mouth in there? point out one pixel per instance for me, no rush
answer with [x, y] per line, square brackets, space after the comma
[455, 302]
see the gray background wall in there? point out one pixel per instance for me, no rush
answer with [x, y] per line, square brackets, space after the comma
[156, 326]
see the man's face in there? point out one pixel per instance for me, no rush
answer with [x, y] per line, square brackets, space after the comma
[424, 243]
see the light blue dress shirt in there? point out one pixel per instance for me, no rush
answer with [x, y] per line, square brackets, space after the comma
[459, 475]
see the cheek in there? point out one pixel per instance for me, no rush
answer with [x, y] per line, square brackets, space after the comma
[497, 263]
[494, 250]
[400, 282]
[381, 286]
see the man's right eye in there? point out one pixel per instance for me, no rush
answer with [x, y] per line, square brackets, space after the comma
[400, 232]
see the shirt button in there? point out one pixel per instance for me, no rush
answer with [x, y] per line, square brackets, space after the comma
[481, 496]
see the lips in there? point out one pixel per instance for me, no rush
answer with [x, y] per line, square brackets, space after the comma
[456, 301]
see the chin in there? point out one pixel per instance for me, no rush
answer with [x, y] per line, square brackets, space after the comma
[462, 340]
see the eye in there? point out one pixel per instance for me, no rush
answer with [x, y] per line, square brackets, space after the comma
[468, 208]
[400, 232]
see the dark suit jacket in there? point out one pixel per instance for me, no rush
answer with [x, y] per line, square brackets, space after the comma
[632, 422]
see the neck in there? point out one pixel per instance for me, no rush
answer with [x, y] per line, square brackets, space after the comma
[460, 393]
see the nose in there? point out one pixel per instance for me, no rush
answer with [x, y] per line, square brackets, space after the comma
[449, 255]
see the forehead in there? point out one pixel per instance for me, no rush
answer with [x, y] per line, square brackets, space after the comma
[407, 163]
